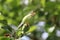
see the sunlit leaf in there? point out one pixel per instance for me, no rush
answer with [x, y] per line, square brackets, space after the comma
[42, 3]
[2, 17]
[8, 1]
[32, 28]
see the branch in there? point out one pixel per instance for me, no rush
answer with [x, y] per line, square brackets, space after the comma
[32, 13]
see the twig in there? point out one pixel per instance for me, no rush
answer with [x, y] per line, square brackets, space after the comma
[25, 18]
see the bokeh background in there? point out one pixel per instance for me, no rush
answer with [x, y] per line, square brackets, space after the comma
[44, 25]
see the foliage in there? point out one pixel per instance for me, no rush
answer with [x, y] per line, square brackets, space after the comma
[12, 12]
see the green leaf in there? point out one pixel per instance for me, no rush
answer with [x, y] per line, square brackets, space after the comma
[4, 38]
[32, 28]
[11, 14]
[42, 3]
[2, 17]
[8, 1]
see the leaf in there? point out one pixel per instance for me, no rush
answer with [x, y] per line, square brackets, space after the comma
[32, 28]
[8, 1]
[2, 17]
[11, 14]
[4, 38]
[42, 3]
[19, 32]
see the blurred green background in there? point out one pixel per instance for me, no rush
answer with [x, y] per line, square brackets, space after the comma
[45, 25]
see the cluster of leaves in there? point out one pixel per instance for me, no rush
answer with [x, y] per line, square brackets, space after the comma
[12, 12]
